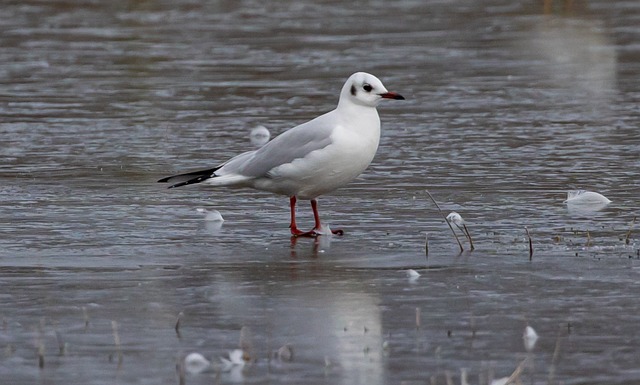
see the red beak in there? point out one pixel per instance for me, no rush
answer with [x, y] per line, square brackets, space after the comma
[392, 95]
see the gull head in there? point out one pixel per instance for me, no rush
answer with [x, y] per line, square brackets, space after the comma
[365, 89]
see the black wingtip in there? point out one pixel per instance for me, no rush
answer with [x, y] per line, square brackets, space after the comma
[167, 179]
[177, 185]
[198, 179]
[190, 177]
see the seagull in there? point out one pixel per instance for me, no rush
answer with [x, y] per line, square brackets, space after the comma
[311, 159]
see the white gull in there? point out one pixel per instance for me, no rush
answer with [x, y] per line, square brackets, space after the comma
[313, 158]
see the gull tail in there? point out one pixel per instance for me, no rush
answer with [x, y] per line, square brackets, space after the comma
[190, 177]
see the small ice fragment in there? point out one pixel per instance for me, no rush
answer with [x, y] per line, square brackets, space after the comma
[195, 363]
[259, 136]
[236, 359]
[583, 197]
[285, 353]
[455, 218]
[500, 381]
[325, 230]
[412, 274]
[212, 216]
[530, 337]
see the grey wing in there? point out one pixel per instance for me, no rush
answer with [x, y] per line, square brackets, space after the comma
[296, 143]
[236, 164]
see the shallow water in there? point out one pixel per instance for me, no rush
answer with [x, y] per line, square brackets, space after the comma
[507, 109]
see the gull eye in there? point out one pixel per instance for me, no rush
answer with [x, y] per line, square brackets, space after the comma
[367, 87]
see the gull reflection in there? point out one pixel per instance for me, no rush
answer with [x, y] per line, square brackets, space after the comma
[319, 244]
[334, 324]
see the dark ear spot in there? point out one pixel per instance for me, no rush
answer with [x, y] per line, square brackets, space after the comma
[353, 90]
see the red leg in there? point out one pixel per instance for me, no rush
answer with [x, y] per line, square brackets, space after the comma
[294, 228]
[316, 217]
[295, 231]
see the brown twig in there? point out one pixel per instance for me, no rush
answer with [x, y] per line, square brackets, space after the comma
[177, 327]
[445, 219]
[514, 378]
[626, 239]
[466, 230]
[530, 243]
[426, 245]
[180, 370]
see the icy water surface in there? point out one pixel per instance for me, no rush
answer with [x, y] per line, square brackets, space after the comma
[509, 105]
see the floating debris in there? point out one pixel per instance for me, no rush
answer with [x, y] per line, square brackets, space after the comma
[325, 230]
[285, 353]
[211, 215]
[514, 378]
[581, 201]
[448, 223]
[530, 337]
[589, 242]
[426, 245]
[195, 363]
[500, 381]
[626, 238]
[412, 275]
[583, 197]
[526, 229]
[177, 326]
[457, 220]
[259, 136]
[236, 359]
[246, 343]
